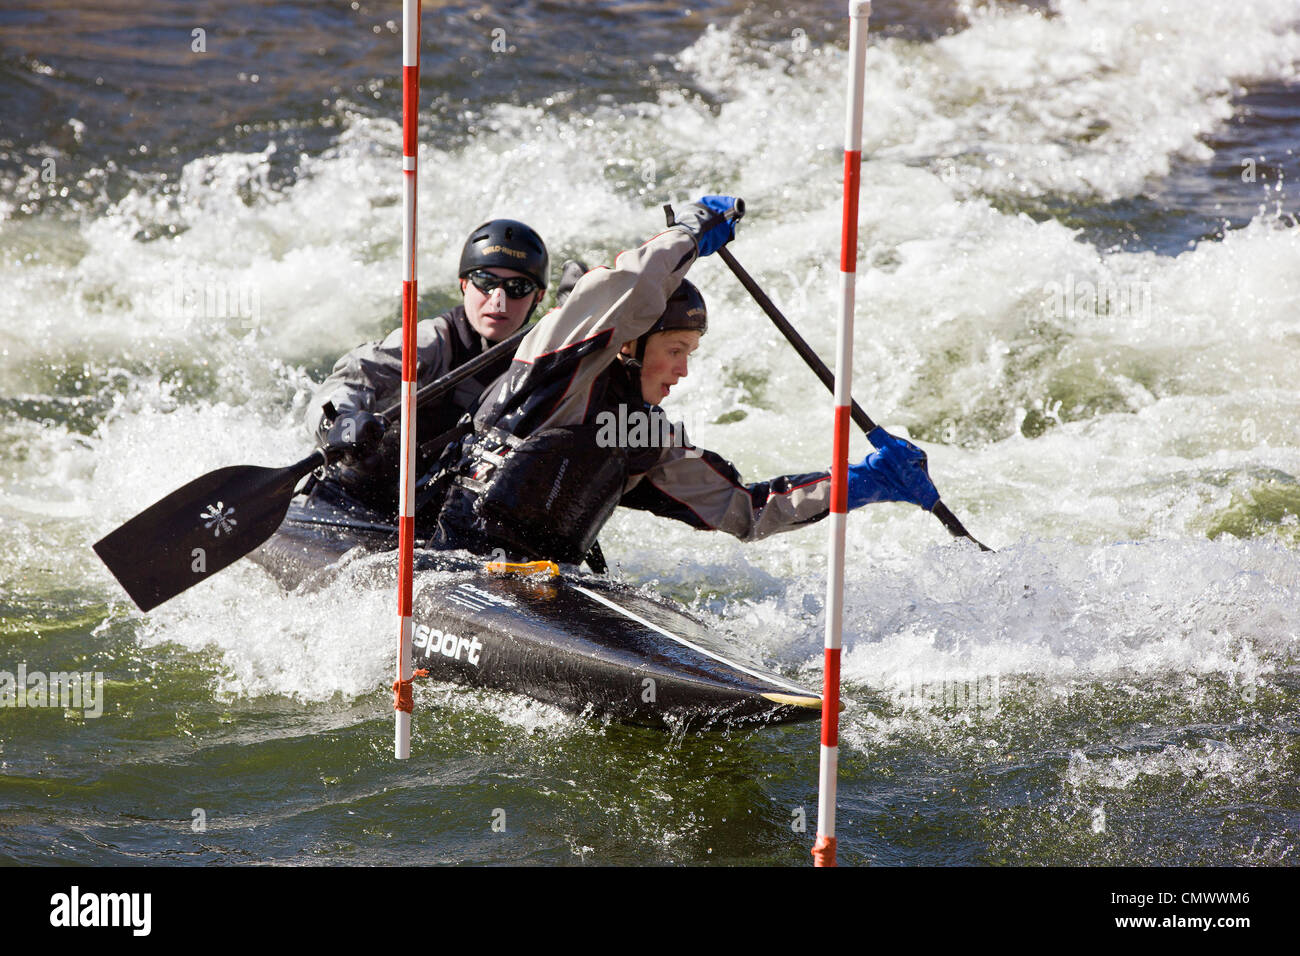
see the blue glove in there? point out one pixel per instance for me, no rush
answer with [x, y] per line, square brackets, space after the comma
[711, 220]
[895, 471]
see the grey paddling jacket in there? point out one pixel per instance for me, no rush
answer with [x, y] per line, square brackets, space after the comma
[369, 379]
[566, 372]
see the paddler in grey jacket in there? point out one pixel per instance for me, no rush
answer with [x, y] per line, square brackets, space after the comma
[543, 469]
[504, 268]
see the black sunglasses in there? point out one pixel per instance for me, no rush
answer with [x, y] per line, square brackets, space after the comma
[517, 287]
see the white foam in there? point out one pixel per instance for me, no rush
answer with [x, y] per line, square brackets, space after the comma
[309, 647]
[1238, 764]
[1091, 99]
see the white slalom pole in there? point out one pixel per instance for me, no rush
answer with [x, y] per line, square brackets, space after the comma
[402, 694]
[824, 849]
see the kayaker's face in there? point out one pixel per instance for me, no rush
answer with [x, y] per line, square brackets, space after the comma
[666, 357]
[494, 315]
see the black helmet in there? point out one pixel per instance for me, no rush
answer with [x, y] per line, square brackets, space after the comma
[506, 244]
[685, 309]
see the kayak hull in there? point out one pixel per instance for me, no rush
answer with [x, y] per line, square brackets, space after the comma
[573, 640]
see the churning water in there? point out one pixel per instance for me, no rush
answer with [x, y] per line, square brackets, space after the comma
[1079, 290]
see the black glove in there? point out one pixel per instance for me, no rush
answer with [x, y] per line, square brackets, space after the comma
[570, 273]
[363, 431]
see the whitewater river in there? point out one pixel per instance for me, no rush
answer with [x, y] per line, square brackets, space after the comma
[1079, 291]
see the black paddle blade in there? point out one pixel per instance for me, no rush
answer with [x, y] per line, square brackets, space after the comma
[199, 529]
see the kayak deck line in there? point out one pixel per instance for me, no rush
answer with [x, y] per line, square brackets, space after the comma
[802, 700]
[801, 692]
[351, 524]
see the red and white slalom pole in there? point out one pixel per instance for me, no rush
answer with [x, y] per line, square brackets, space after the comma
[402, 695]
[824, 849]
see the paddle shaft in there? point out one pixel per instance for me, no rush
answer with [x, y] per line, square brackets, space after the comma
[860, 417]
[440, 387]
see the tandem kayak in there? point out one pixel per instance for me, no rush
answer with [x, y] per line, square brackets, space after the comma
[571, 639]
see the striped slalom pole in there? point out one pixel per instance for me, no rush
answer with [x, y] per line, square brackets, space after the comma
[824, 849]
[402, 694]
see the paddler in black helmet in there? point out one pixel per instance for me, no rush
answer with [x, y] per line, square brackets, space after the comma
[659, 357]
[504, 271]
[575, 428]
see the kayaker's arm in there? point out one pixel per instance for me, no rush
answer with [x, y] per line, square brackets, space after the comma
[630, 298]
[627, 299]
[557, 365]
[369, 377]
[704, 490]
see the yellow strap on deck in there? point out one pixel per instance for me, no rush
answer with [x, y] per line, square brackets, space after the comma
[548, 568]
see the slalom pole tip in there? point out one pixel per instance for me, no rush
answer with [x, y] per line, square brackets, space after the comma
[858, 9]
[823, 851]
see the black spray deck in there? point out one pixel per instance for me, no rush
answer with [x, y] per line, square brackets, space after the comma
[573, 640]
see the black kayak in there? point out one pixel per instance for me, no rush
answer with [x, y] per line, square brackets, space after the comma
[574, 640]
